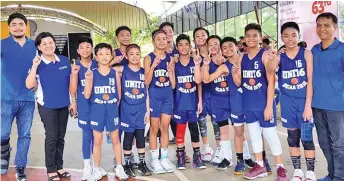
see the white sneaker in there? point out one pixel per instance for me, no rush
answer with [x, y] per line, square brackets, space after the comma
[119, 172]
[103, 172]
[168, 165]
[298, 175]
[96, 175]
[87, 172]
[156, 167]
[311, 176]
[217, 156]
[207, 154]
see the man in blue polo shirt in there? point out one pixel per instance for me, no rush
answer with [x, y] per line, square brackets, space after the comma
[17, 53]
[328, 96]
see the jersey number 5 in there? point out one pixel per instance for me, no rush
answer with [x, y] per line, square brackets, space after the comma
[256, 65]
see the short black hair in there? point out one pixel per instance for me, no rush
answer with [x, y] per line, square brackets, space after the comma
[155, 32]
[183, 37]
[84, 39]
[130, 46]
[283, 46]
[328, 15]
[290, 24]
[42, 35]
[241, 37]
[214, 36]
[162, 25]
[198, 29]
[100, 46]
[229, 39]
[302, 44]
[266, 41]
[253, 26]
[16, 15]
[119, 29]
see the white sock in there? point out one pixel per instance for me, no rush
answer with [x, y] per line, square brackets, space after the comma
[260, 163]
[155, 154]
[279, 165]
[246, 150]
[164, 153]
[206, 145]
[87, 162]
[226, 150]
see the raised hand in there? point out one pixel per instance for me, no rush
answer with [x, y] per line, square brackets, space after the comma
[272, 54]
[207, 59]
[118, 59]
[156, 62]
[89, 74]
[175, 58]
[75, 68]
[170, 66]
[36, 61]
[197, 59]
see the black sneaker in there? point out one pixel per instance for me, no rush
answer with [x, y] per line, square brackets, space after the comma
[172, 141]
[224, 165]
[249, 163]
[128, 169]
[21, 174]
[143, 169]
[197, 161]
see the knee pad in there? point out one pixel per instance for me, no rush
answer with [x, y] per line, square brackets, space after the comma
[308, 145]
[202, 124]
[216, 130]
[140, 139]
[294, 138]
[128, 141]
[180, 133]
[193, 128]
[255, 133]
[223, 123]
[270, 134]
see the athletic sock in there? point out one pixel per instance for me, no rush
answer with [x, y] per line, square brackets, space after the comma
[310, 164]
[296, 161]
[127, 158]
[142, 157]
[240, 156]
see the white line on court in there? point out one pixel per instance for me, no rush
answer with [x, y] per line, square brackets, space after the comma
[180, 175]
[286, 135]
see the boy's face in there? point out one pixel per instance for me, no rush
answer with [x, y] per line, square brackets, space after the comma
[229, 49]
[252, 38]
[183, 47]
[214, 46]
[104, 56]
[290, 37]
[160, 41]
[84, 49]
[124, 37]
[201, 38]
[169, 33]
[133, 56]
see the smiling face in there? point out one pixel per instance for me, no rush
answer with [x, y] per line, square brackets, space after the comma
[104, 56]
[290, 37]
[183, 47]
[201, 38]
[160, 41]
[252, 38]
[85, 50]
[325, 28]
[169, 33]
[133, 56]
[214, 46]
[229, 49]
[124, 37]
[47, 46]
[17, 28]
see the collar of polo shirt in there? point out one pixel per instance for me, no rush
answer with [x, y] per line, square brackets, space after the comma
[47, 61]
[14, 41]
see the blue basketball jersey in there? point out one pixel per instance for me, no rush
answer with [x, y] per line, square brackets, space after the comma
[133, 86]
[186, 96]
[292, 75]
[219, 87]
[104, 88]
[160, 77]
[235, 92]
[205, 87]
[254, 82]
[174, 51]
[84, 104]
[124, 61]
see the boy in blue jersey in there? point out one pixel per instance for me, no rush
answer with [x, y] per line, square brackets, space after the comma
[103, 87]
[77, 85]
[229, 50]
[134, 112]
[123, 37]
[258, 102]
[295, 68]
[159, 77]
[188, 101]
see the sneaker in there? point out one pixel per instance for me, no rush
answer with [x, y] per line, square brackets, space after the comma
[167, 165]
[87, 172]
[172, 141]
[181, 160]
[134, 161]
[217, 157]
[187, 159]
[119, 172]
[21, 174]
[298, 175]
[267, 165]
[207, 154]
[311, 176]
[156, 166]
[224, 165]
[197, 161]
[128, 169]
[282, 174]
[326, 178]
[256, 172]
[249, 163]
[96, 175]
[103, 172]
[240, 167]
[143, 169]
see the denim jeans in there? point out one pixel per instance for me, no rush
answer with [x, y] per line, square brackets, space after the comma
[23, 112]
[330, 130]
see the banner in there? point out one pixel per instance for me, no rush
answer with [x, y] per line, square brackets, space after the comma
[304, 13]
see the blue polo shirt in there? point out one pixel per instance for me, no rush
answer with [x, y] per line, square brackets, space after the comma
[53, 82]
[15, 63]
[328, 76]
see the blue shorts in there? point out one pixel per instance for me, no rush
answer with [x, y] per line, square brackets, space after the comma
[291, 111]
[132, 116]
[253, 116]
[219, 106]
[206, 107]
[161, 101]
[182, 117]
[104, 116]
[238, 117]
[84, 120]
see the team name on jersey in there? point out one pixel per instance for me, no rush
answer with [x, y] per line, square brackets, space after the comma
[186, 91]
[251, 74]
[104, 89]
[293, 73]
[221, 80]
[134, 84]
[185, 79]
[160, 73]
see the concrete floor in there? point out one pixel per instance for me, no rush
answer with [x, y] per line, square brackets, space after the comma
[73, 155]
